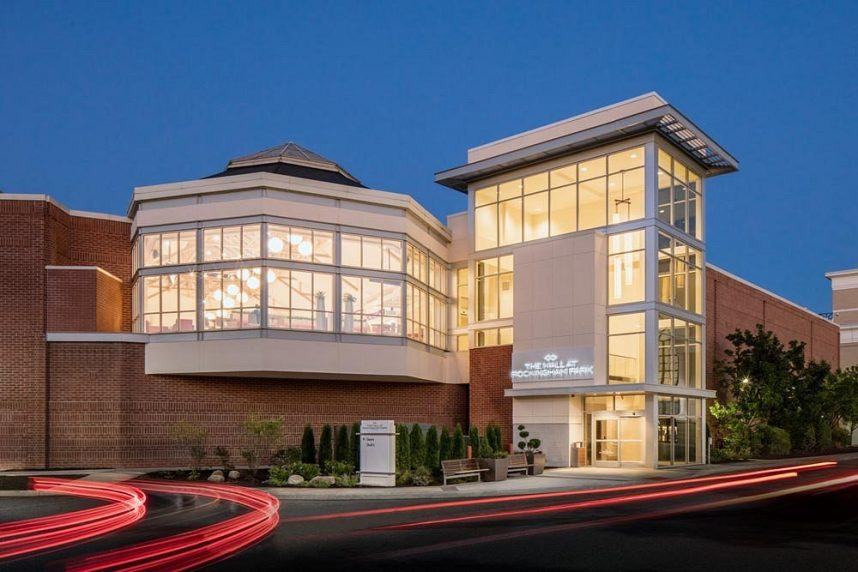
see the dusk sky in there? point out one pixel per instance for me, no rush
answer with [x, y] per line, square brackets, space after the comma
[98, 99]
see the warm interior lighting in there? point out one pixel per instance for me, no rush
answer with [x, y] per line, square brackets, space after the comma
[232, 290]
[295, 239]
[253, 282]
[275, 245]
[305, 248]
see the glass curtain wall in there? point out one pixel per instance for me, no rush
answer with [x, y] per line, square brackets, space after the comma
[679, 430]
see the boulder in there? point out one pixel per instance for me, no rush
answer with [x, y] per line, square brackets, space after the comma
[323, 479]
[234, 475]
[216, 478]
[295, 480]
[217, 472]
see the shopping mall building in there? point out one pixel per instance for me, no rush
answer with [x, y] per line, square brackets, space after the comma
[572, 296]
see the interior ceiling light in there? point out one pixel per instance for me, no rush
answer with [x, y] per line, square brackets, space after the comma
[275, 245]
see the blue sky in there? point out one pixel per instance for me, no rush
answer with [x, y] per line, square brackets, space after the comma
[96, 99]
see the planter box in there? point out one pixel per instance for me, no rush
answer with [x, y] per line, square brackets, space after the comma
[538, 462]
[496, 469]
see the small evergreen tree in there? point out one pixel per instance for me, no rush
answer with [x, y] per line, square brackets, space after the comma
[474, 441]
[432, 454]
[355, 448]
[457, 445]
[486, 450]
[493, 433]
[308, 446]
[342, 452]
[326, 446]
[444, 445]
[403, 448]
[418, 447]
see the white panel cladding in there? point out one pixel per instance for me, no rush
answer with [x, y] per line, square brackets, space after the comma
[555, 420]
[296, 358]
[560, 287]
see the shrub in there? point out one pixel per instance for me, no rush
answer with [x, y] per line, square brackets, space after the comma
[355, 448]
[318, 484]
[403, 448]
[278, 476]
[733, 433]
[193, 437]
[326, 445]
[474, 441]
[403, 478]
[338, 468]
[431, 460]
[840, 437]
[773, 440]
[527, 444]
[421, 477]
[823, 435]
[308, 446]
[250, 459]
[486, 450]
[286, 456]
[224, 456]
[457, 444]
[444, 445]
[806, 438]
[306, 470]
[347, 481]
[342, 451]
[493, 433]
[263, 433]
[418, 446]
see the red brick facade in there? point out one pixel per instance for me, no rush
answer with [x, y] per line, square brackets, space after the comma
[83, 300]
[732, 304]
[489, 376]
[104, 411]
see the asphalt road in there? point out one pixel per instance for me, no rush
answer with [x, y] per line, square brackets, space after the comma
[697, 525]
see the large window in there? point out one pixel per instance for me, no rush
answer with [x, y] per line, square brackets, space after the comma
[372, 252]
[300, 300]
[301, 244]
[231, 299]
[679, 430]
[680, 274]
[169, 248]
[680, 353]
[437, 275]
[231, 242]
[626, 277]
[371, 306]
[416, 262]
[626, 348]
[589, 194]
[679, 199]
[426, 317]
[494, 288]
[493, 337]
[461, 297]
[169, 303]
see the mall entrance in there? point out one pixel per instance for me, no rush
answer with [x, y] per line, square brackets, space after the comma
[615, 428]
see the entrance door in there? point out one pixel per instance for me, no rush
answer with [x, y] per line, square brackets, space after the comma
[617, 439]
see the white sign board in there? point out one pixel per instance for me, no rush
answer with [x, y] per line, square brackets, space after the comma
[378, 453]
[553, 365]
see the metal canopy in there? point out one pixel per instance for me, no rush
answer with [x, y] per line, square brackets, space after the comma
[665, 120]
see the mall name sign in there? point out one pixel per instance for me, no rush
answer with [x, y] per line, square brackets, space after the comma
[555, 364]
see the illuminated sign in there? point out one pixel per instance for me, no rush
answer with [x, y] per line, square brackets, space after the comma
[553, 365]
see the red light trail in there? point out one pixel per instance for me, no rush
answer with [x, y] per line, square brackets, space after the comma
[598, 502]
[559, 494]
[197, 547]
[127, 505]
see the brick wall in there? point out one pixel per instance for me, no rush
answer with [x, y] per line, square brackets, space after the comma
[104, 411]
[34, 234]
[732, 304]
[490, 375]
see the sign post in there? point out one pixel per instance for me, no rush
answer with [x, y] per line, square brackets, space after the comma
[377, 453]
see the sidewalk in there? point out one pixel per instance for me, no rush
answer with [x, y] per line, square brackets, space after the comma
[550, 480]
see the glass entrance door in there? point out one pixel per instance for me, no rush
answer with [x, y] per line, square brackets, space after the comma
[617, 438]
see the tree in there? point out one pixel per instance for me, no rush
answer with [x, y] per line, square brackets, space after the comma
[403, 448]
[342, 451]
[444, 445]
[326, 446]
[493, 434]
[355, 449]
[418, 447]
[842, 399]
[263, 433]
[308, 446]
[474, 441]
[457, 444]
[432, 451]
[194, 438]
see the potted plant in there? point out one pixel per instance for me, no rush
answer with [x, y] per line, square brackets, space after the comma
[530, 447]
[496, 462]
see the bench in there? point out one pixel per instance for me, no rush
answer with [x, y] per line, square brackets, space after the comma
[518, 464]
[461, 468]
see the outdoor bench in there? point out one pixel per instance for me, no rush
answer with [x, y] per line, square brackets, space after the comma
[461, 468]
[518, 464]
